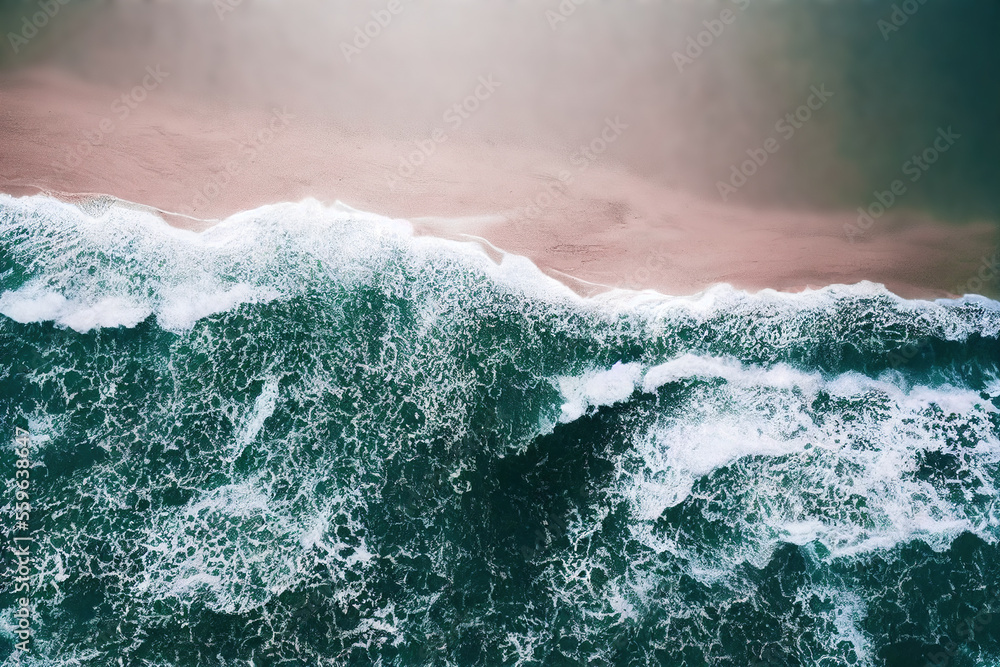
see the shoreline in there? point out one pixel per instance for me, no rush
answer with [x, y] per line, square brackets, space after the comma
[591, 222]
[451, 230]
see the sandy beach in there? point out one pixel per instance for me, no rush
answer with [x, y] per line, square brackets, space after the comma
[581, 220]
[584, 144]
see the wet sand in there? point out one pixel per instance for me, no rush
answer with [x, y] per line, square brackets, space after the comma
[590, 222]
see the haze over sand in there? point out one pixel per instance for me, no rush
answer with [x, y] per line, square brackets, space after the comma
[228, 109]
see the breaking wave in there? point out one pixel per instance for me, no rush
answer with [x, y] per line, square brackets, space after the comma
[308, 436]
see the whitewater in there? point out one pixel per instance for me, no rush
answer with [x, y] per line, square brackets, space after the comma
[309, 436]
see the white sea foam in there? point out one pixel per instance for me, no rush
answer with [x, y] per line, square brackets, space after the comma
[262, 409]
[598, 388]
[123, 265]
[118, 268]
[34, 305]
[864, 444]
[773, 455]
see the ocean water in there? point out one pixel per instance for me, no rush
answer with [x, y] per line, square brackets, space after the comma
[308, 437]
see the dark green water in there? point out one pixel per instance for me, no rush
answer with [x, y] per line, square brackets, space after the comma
[308, 438]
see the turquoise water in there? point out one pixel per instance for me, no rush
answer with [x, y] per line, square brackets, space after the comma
[307, 437]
